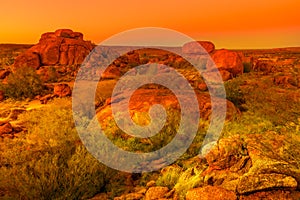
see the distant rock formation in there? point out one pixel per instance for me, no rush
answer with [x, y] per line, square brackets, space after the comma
[62, 47]
[193, 47]
[227, 60]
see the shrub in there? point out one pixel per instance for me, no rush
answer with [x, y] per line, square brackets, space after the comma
[234, 92]
[181, 181]
[49, 162]
[247, 67]
[24, 83]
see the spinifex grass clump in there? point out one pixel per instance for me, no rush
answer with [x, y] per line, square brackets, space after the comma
[49, 162]
[23, 83]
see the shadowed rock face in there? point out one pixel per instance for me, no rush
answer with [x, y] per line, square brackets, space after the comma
[62, 47]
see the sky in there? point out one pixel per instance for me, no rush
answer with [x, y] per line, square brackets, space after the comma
[235, 24]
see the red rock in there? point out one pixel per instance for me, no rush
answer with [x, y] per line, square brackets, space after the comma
[63, 47]
[143, 99]
[29, 58]
[266, 66]
[226, 154]
[63, 33]
[4, 73]
[210, 193]
[46, 36]
[272, 195]
[227, 60]
[156, 193]
[50, 55]
[112, 72]
[62, 90]
[193, 47]
[6, 129]
[212, 76]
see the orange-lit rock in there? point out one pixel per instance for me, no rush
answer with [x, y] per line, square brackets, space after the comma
[62, 47]
[227, 60]
[193, 47]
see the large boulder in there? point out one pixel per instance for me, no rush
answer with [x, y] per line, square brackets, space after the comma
[62, 47]
[226, 60]
[143, 99]
[193, 47]
[254, 163]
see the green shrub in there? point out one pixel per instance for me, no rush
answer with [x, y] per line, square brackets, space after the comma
[49, 162]
[181, 181]
[24, 83]
[247, 67]
[234, 92]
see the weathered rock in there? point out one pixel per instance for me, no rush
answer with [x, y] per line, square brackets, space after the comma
[62, 90]
[193, 47]
[210, 193]
[150, 184]
[272, 195]
[143, 99]
[227, 153]
[28, 59]
[112, 72]
[265, 66]
[63, 47]
[156, 193]
[226, 60]
[214, 77]
[130, 196]
[4, 73]
[5, 128]
[253, 163]
[259, 182]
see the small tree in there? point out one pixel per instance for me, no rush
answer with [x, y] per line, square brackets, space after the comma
[23, 83]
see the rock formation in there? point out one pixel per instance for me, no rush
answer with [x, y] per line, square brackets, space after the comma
[226, 60]
[62, 47]
[193, 47]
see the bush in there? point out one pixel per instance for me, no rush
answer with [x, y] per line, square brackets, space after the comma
[49, 162]
[176, 178]
[234, 92]
[24, 83]
[247, 67]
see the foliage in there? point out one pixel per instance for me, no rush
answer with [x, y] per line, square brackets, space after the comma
[247, 67]
[24, 83]
[181, 180]
[234, 92]
[49, 162]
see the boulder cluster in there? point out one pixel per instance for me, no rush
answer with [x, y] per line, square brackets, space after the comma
[62, 47]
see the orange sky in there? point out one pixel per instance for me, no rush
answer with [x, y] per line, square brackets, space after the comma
[228, 23]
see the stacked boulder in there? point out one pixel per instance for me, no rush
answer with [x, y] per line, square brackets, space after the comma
[228, 62]
[62, 47]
